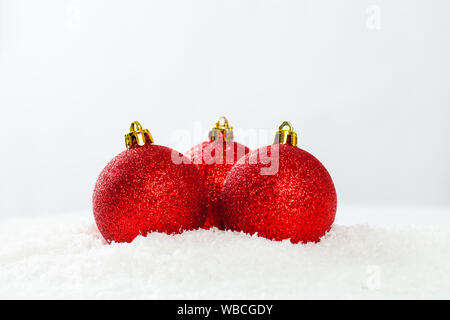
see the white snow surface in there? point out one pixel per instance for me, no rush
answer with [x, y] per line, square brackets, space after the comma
[65, 257]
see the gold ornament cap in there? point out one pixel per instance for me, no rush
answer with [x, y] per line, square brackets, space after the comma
[219, 131]
[137, 136]
[283, 136]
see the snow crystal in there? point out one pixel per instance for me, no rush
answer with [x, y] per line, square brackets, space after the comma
[65, 257]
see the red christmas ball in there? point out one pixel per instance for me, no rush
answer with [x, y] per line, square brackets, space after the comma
[142, 190]
[214, 159]
[293, 199]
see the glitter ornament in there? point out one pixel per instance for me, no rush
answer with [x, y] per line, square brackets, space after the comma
[214, 159]
[280, 192]
[142, 190]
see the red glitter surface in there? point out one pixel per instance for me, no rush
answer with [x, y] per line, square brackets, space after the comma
[141, 190]
[297, 203]
[214, 169]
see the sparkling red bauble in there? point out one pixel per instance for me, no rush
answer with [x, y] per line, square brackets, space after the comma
[298, 202]
[142, 190]
[214, 160]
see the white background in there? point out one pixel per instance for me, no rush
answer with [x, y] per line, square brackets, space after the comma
[366, 85]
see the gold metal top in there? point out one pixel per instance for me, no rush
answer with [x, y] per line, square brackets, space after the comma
[285, 136]
[224, 132]
[137, 136]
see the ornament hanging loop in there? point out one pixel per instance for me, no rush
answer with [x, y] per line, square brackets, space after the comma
[137, 136]
[283, 136]
[219, 131]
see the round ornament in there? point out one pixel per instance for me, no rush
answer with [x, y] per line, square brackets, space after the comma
[142, 190]
[280, 192]
[214, 159]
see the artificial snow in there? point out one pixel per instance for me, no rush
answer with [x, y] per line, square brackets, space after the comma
[65, 257]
